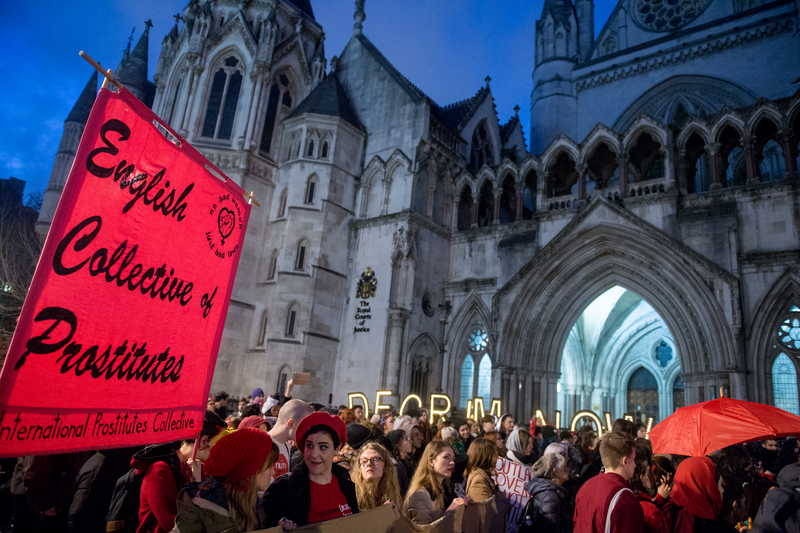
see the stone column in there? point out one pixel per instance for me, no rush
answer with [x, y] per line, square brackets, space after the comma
[410, 271]
[474, 213]
[750, 160]
[712, 152]
[623, 175]
[789, 157]
[541, 192]
[397, 324]
[582, 173]
[496, 193]
[683, 182]
[520, 188]
[454, 215]
[513, 396]
[252, 116]
[187, 115]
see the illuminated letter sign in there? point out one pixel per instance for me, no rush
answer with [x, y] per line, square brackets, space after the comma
[587, 414]
[405, 402]
[361, 396]
[441, 412]
[378, 395]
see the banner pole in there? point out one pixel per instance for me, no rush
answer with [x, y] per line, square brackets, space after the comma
[99, 69]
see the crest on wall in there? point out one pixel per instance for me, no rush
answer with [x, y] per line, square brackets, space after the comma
[367, 285]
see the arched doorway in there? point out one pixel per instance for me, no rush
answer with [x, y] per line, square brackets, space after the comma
[619, 357]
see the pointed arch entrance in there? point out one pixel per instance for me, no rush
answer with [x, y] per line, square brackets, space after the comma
[620, 358]
[603, 247]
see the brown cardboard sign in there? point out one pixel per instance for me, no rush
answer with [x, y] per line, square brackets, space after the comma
[301, 378]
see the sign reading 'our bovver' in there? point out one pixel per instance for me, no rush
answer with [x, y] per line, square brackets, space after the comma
[118, 338]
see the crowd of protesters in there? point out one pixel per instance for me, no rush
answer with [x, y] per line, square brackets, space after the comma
[270, 461]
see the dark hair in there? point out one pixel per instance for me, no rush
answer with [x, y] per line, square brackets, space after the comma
[212, 424]
[537, 430]
[564, 435]
[624, 426]
[644, 454]
[487, 419]
[640, 426]
[250, 410]
[221, 395]
[322, 428]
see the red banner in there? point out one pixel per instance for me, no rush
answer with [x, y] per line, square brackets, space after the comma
[118, 337]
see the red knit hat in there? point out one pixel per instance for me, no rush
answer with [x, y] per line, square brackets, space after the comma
[253, 421]
[316, 419]
[239, 456]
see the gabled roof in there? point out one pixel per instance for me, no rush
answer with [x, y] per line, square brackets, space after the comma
[82, 108]
[508, 128]
[409, 87]
[456, 116]
[328, 98]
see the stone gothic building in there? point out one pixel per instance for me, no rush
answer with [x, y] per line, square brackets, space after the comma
[643, 255]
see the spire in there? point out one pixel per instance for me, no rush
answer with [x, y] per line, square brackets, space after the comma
[516, 111]
[80, 111]
[359, 17]
[487, 80]
[559, 9]
[132, 70]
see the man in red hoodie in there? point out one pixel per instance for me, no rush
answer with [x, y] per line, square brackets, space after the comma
[609, 493]
[165, 472]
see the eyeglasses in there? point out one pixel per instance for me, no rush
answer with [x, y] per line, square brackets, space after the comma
[375, 461]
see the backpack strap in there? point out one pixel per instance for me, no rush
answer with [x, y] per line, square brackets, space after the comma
[612, 505]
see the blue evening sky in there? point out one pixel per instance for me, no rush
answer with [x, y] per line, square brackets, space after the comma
[444, 47]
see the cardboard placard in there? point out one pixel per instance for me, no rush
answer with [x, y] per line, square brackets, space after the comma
[118, 337]
[301, 378]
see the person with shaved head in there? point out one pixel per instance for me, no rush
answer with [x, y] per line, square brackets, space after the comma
[290, 415]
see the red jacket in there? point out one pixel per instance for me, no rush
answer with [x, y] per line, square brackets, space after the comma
[593, 499]
[653, 519]
[158, 498]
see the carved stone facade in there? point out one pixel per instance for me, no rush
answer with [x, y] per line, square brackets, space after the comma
[663, 162]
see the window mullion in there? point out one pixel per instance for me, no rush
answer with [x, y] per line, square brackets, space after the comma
[228, 74]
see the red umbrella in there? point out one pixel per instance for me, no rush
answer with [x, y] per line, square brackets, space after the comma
[702, 428]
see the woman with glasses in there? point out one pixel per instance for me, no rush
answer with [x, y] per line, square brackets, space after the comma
[374, 478]
[431, 493]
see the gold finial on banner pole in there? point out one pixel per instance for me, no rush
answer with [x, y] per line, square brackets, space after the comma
[99, 69]
[105, 80]
[251, 199]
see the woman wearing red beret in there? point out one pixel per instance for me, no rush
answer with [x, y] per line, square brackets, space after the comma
[316, 490]
[240, 465]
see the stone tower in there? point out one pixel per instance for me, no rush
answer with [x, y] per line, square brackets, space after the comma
[553, 101]
[70, 139]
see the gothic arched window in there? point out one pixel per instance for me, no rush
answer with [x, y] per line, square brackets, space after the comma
[311, 189]
[292, 317]
[282, 204]
[784, 384]
[222, 102]
[302, 255]
[262, 329]
[482, 152]
[273, 265]
[279, 93]
[476, 383]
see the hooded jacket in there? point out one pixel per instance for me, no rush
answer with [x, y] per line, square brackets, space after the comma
[780, 510]
[203, 508]
[695, 501]
[515, 452]
[551, 507]
[164, 475]
[289, 495]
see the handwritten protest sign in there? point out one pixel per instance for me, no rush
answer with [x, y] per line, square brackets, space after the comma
[118, 337]
[511, 479]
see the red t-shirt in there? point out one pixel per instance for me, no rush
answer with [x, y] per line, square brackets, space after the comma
[327, 502]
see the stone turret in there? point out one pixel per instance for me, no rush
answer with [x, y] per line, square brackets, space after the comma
[132, 70]
[553, 102]
[70, 139]
[584, 11]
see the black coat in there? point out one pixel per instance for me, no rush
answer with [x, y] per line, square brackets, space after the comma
[780, 511]
[551, 504]
[289, 496]
[94, 488]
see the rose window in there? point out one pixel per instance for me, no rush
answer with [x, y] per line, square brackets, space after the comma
[789, 333]
[478, 340]
[667, 15]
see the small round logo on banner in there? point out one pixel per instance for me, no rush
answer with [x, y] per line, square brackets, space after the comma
[226, 214]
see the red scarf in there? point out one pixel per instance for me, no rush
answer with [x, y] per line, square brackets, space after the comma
[696, 492]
